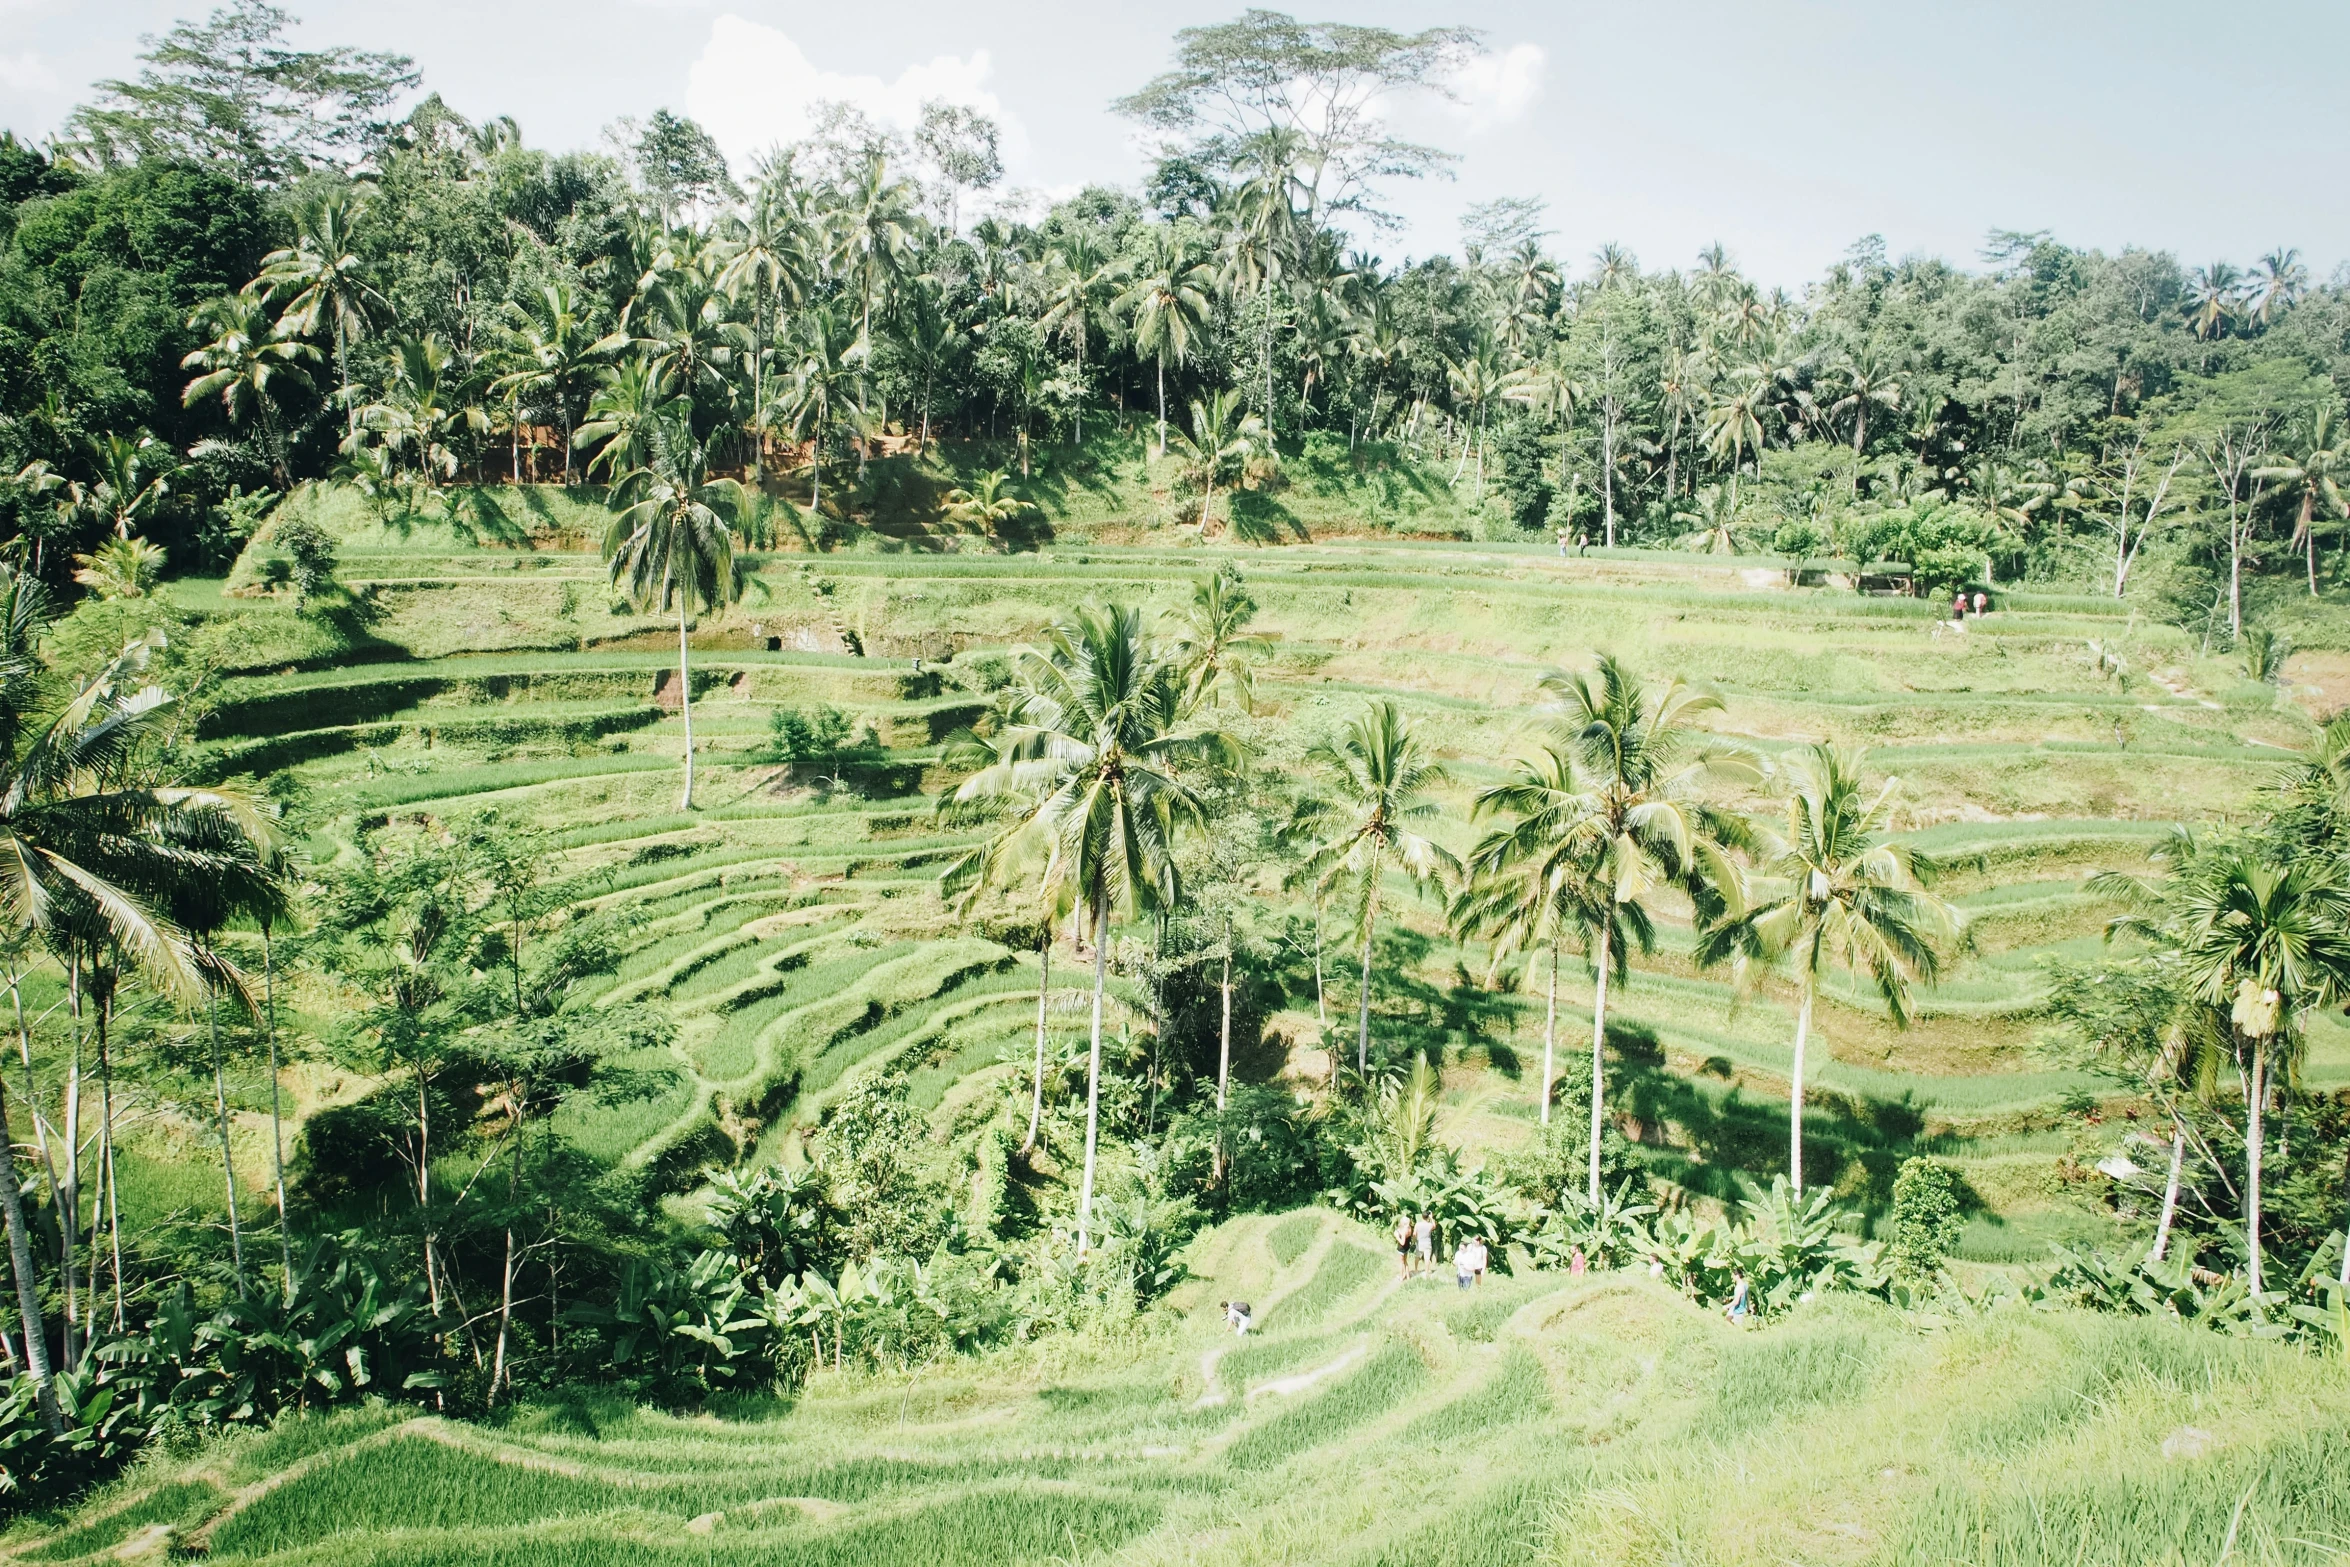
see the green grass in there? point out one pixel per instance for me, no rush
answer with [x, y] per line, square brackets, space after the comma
[1344, 1270]
[1393, 1373]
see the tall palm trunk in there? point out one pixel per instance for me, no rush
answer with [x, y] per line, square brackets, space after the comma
[2255, 1106]
[1093, 1077]
[432, 1272]
[685, 704]
[277, 1138]
[69, 1196]
[1795, 1091]
[1162, 405]
[506, 1283]
[107, 1173]
[1044, 990]
[1550, 1032]
[1599, 1056]
[228, 1158]
[1224, 1053]
[2170, 1191]
[20, 1257]
[1363, 1004]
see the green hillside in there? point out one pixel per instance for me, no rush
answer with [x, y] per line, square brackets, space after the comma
[1371, 1421]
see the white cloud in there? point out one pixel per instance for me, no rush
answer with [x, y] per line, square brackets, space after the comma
[1494, 89]
[27, 72]
[753, 88]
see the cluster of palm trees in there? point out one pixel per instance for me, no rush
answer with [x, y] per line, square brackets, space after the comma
[123, 881]
[1102, 755]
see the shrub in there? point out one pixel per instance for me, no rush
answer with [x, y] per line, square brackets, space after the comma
[807, 738]
[1926, 1219]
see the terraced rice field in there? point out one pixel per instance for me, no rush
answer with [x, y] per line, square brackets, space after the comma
[1372, 1421]
[794, 929]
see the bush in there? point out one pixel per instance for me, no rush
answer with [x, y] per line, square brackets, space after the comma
[1926, 1220]
[805, 739]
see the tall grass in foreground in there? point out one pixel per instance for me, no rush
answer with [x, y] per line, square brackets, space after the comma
[1392, 1375]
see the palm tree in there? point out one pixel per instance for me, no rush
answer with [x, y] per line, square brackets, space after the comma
[2277, 283]
[1214, 646]
[1381, 779]
[2268, 942]
[1830, 890]
[1169, 307]
[2214, 296]
[1868, 383]
[772, 258]
[1610, 813]
[1712, 516]
[826, 360]
[134, 476]
[620, 416]
[1079, 284]
[321, 281]
[874, 221]
[1089, 775]
[424, 414]
[927, 336]
[2317, 474]
[1262, 233]
[547, 351]
[1222, 432]
[1527, 894]
[1476, 379]
[1733, 424]
[986, 503]
[245, 363]
[121, 568]
[672, 543]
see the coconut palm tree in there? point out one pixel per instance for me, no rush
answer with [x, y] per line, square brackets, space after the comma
[121, 568]
[874, 221]
[1868, 382]
[2317, 475]
[248, 366]
[2215, 296]
[1223, 433]
[1610, 814]
[134, 477]
[2267, 942]
[1090, 775]
[1733, 422]
[320, 280]
[1168, 305]
[547, 353]
[1531, 893]
[773, 258]
[1372, 820]
[424, 415]
[620, 416]
[1830, 890]
[671, 543]
[828, 358]
[1214, 646]
[1079, 284]
[2276, 284]
[986, 503]
[1261, 233]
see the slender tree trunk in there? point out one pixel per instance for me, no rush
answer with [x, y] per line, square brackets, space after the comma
[2170, 1192]
[432, 1272]
[506, 1285]
[1044, 990]
[2309, 536]
[2254, 1105]
[685, 705]
[106, 1166]
[20, 1257]
[277, 1136]
[1363, 1006]
[228, 1159]
[1093, 1078]
[1598, 1056]
[1550, 1032]
[1321, 997]
[69, 1209]
[1795, 1092]
[1162, 406]
[1224, 1053]
[32, 1097]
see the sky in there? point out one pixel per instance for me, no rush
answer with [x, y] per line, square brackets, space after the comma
[1784, 129]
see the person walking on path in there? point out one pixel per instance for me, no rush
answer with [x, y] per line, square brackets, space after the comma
[1464, 1263]
[1981, 603]
[1424, 1242]
[1403, 1245]
[1578, 1264]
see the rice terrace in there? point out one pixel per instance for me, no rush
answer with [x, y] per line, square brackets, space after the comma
[801, 859]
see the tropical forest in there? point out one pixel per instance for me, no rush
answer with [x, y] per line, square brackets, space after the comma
[801, 861]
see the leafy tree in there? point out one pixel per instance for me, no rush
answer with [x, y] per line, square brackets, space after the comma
[230, 91]
[1926, 1221]
[1168, 307]
[248, 367]
[320, 281]
[1221, 435]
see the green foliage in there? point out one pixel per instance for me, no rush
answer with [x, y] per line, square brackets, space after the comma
[1926, 1219]
[806, 738]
